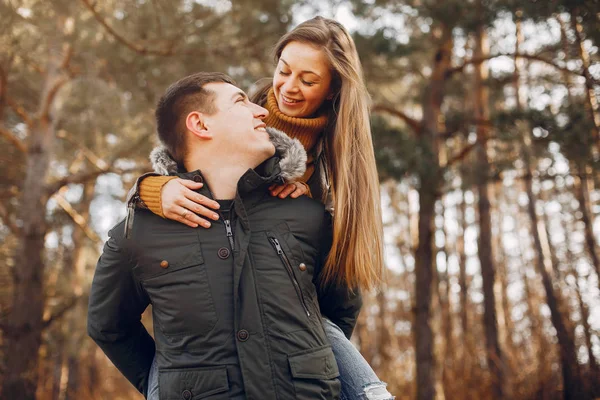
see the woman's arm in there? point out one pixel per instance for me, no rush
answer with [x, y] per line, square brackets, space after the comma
[174, 198]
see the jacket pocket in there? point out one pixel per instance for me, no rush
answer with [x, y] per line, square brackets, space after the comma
[285, 260]
[193, 384]
[177, 284]
[315, 373]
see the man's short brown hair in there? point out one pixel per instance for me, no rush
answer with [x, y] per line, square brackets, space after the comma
[181, 98]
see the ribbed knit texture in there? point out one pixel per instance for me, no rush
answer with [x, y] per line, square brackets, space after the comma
[306, 130]
[150, 189]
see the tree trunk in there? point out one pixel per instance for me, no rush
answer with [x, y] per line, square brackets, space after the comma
[446, 320]
[465, 337]
[572, 384]
[23, 334]
[494, 354]
[594, 372]
[582, 193]
[429, 186]
[592, 101]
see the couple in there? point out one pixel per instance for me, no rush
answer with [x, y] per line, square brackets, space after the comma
[260, 303]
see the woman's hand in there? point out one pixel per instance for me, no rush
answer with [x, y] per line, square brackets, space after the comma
[181, 203]
[294, 190]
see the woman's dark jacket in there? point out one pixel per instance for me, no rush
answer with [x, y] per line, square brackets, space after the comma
[235, 316]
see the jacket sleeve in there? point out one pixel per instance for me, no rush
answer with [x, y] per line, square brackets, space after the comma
[337, 302]
[116, 304]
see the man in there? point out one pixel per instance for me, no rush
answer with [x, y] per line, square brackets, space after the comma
[236, 307]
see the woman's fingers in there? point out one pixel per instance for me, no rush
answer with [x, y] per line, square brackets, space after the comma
[300, 190]
[202, 200]
[195, 209]
[182, 215]
[287, 191]
[178, 196]
[277, 189]
[295, 189]
[190, 184]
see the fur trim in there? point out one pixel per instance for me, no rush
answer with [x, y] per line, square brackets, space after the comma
[162, 162]
[292, 153]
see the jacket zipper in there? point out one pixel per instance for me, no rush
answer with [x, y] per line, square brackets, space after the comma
[229, 232]
[288, 266]
[130, 215]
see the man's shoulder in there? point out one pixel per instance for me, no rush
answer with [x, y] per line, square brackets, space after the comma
[302, 214]
[304, 203]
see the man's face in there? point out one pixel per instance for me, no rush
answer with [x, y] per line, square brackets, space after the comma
[237, 125]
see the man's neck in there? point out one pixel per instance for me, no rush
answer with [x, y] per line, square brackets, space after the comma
[221, 177]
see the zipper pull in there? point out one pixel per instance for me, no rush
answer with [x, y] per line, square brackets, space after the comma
[129, 217]
[229, 233]
[228, 228]
[277, 246]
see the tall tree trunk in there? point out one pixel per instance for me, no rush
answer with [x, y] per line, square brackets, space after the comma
[465, 337]
[494, 354]
[78, 271]
[582, 193]
[430, 182]
[23, 334]
[566, 77]
[594, 371]
[446, 310]
[570, 369]
[592, 101]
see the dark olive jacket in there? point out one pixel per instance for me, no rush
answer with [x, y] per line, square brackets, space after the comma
[237, 307]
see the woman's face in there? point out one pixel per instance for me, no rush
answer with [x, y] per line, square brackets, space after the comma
[302, 80]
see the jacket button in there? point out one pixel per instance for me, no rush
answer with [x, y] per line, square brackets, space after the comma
[197, 178]
[302, 267]
[243, 335]
[186, 395]
[164, 264]
[223, 253]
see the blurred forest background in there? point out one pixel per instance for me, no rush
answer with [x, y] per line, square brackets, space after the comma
[487, 133]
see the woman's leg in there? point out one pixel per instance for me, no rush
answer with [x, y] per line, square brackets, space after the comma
[153, 382]
[359, 381]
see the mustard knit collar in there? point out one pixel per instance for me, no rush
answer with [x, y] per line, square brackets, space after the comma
[306, 130]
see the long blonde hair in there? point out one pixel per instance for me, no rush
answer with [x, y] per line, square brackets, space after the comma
[356, 256]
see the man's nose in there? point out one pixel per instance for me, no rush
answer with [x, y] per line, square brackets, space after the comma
[260, 112]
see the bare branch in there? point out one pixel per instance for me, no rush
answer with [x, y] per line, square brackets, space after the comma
[19, 110]
[172, 48]
[461, 155]
[129, 44]
[61, 312]
[4, 214]
[89, 154]
[83, 177]
[46, 103]
[413, 123]
[77, 218]
[533, 57]
[18, 143]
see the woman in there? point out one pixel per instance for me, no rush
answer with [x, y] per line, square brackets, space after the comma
[318, 96]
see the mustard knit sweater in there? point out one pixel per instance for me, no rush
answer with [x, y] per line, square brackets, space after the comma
[306, 130]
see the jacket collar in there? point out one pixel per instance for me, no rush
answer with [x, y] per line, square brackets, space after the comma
[288, 164]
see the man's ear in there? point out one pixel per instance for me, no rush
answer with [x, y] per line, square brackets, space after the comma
[195, 122]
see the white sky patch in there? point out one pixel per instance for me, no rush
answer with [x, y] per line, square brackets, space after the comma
[24, 12]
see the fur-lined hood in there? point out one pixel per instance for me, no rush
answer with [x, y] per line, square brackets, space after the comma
[291, 152]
